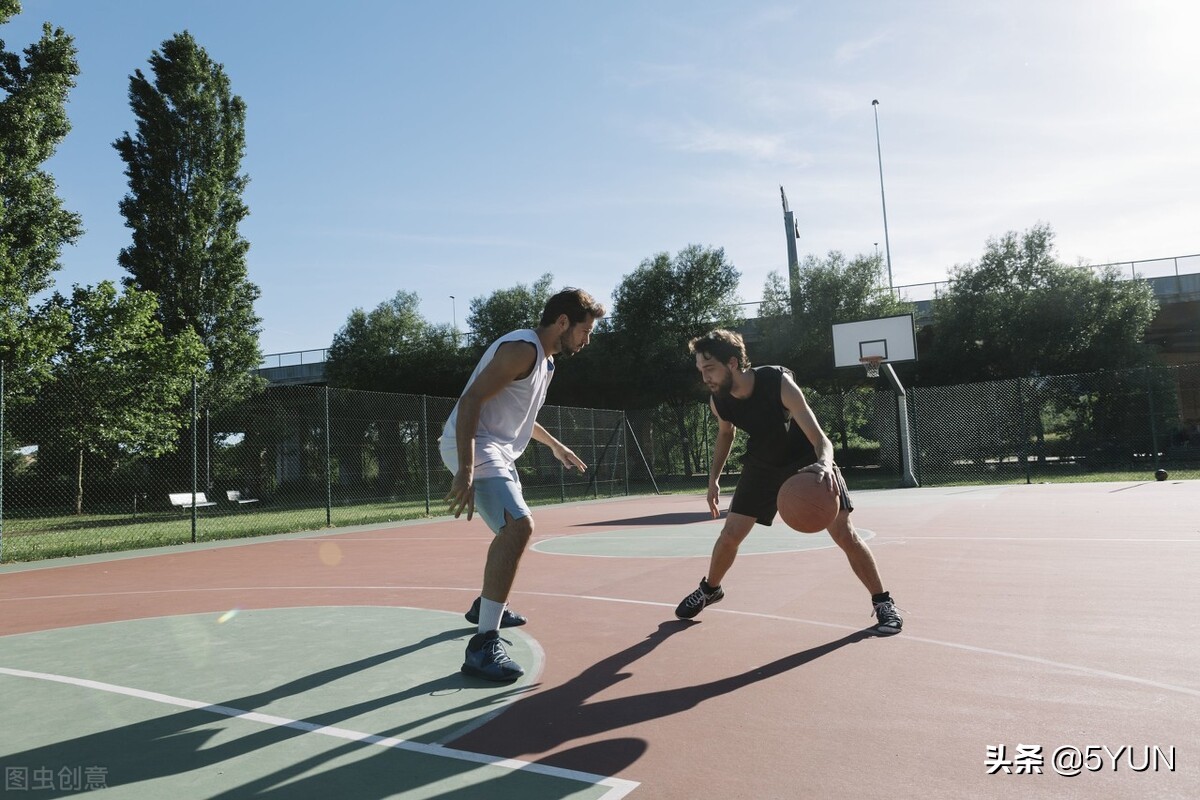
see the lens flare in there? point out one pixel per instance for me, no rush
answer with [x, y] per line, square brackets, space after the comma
[330, 554]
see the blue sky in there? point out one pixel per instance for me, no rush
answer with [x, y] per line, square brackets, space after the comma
[458, 148]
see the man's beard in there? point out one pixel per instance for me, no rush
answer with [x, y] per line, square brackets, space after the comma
[724, 388]
[564, 344]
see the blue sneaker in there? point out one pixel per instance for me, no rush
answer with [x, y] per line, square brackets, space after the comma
[510, 619]
[486, 658]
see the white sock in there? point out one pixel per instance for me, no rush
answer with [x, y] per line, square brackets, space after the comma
[490, 613]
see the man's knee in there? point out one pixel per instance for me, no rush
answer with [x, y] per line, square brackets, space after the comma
[842, 530]
[735, 531]
[518, 530]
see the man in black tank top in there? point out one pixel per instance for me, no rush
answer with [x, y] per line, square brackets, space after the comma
[784, 438]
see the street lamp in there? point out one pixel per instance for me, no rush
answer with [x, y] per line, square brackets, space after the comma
[879, 153]
[454, 317]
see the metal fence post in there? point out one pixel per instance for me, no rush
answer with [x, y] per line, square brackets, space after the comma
[425, 447]
[328, 468]
[625, 451]
[595, 466]
[195, 465]
[1153, 426]
[649, 469]
[1023, 450]
[562, 471]
[207, 453]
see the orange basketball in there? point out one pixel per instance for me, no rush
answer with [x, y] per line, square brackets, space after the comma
[805, 504]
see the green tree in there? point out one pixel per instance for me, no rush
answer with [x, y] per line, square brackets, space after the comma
[118, 383]
[184, 206]
[657, 309]
[776, 299]
[34, 226]
[390, 349]
[830, 290]
[507, 310]
[368, 341]
[1020, 311]
[393, 348]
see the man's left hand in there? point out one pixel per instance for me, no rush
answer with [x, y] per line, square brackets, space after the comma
[824, 473]
[568, 458]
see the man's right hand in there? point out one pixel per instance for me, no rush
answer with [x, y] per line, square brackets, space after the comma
[714, 498]
[462, 494]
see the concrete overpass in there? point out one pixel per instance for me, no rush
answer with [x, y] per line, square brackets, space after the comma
[294, 368]
[1175, 331]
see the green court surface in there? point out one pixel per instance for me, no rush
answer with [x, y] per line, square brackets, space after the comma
[681, 541]
[315, 702]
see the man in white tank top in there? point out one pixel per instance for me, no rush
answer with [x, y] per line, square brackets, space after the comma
[487, 432]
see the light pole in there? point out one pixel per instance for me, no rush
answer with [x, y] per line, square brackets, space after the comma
[454, 317]
[887, 246]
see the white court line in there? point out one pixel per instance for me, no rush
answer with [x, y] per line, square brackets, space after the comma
[654, 604]
[824, 542]
[905, 637]
[1090, 539]
[617, 787]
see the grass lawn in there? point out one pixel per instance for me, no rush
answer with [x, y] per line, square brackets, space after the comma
[32, 538]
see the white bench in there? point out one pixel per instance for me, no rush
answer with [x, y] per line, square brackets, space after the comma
[183, 500]
[234, 496]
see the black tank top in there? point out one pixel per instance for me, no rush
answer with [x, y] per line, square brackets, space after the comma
[775, 440]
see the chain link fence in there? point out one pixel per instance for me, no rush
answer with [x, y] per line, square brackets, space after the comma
[1121, 425]
[292, 458]
[297, 458]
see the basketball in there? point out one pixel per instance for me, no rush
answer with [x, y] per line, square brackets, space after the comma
[805, 504]
[1160, 474]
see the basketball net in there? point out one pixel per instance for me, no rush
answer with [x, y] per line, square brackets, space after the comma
[871, 363]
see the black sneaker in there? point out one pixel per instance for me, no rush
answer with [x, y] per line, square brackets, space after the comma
[695, 602]
[486, 658]
[508, 619]
[890, 621]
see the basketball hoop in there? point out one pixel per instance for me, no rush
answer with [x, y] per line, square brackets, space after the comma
[871, 363]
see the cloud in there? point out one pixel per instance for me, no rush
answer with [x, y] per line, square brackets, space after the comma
[854, 50]
[704, 139]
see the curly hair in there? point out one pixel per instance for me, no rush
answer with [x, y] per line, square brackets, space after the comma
[721, 345]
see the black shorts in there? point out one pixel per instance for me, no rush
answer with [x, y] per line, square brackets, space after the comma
[758, 488]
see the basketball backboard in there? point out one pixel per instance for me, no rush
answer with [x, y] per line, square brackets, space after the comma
[892, 339]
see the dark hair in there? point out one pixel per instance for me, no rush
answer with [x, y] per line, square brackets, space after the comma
[577, 304]
[721, 345]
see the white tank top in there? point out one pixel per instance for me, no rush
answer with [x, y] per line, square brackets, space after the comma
[506, 420]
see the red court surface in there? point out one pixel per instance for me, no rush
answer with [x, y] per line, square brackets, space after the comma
[1049, 630]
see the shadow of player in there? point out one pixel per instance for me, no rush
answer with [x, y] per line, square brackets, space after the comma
[550, 718]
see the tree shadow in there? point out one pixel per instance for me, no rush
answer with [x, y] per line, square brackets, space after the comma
[187, 741]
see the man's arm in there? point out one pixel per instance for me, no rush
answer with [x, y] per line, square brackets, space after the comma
[511, 361]
[802, 415]
[560, 450]
[721, 448]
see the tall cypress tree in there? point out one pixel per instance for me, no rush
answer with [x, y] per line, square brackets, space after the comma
[34, 226]
[184, 206]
